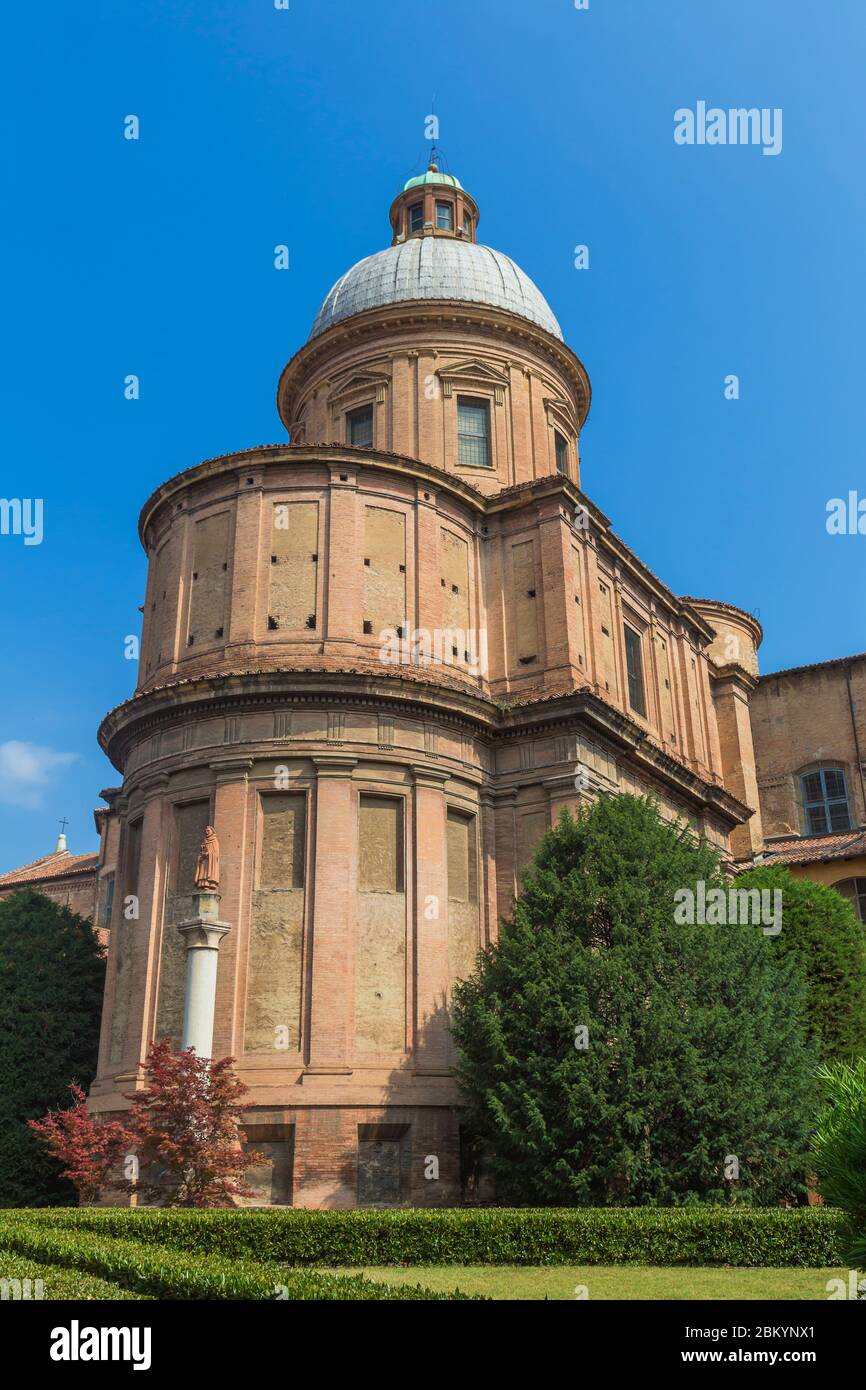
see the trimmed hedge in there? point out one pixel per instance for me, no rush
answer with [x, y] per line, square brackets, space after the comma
[60, 1282]
[746, 1236]
[180, 1274]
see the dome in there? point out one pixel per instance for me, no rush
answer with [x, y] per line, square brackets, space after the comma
[432, 176]
[436, 268]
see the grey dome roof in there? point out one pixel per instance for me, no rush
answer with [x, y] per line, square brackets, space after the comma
[436, 268]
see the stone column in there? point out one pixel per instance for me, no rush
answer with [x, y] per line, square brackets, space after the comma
[202, 934]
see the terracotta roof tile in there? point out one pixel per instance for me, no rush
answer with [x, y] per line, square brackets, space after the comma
[50, 866]
[810, 849]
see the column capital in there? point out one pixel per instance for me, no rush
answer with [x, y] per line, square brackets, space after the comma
[153, 784]
[203, 933]
[433, 777]
[231, 769]
[333, 765]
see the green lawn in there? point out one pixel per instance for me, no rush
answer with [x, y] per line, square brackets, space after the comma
[615, 1282]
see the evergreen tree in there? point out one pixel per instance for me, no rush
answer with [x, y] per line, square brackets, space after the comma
[821, 929]
[52, 971]
[693, 1079]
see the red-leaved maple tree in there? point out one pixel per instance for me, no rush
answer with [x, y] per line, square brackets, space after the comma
[178, 1145]
[87, 1146]
[186, 1129]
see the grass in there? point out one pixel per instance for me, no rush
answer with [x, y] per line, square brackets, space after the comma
[626, 1282]
[101, 1255]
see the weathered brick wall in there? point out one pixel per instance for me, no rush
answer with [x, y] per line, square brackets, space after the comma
[190, 821]
[464, 939]
[273, 1010]
[384, 567]
[294, 563]
[127, 925]
[359, 890]
[380, 949]
[801, 720]
[413, 375]
[208, 586]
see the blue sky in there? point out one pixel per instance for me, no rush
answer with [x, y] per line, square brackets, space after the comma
[262, 126]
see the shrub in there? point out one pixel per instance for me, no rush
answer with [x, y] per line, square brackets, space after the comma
[695, 1051]
[87, 1145]
[821, 931]
[839, 1148]
[699, 1235]
[167, 1273]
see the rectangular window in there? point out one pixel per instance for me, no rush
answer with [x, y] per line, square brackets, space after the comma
[634, 668]
[473, 431]
[416, 217]
[445, 217]
[561, 452]
[359, 427]
[825, 801]
[467, 224]
[107, 902]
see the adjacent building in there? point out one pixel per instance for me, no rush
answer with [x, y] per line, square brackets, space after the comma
[809, 729]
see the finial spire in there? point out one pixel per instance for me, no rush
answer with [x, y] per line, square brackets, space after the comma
[61, 847]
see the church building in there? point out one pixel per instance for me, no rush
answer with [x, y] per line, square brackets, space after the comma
[379, 658]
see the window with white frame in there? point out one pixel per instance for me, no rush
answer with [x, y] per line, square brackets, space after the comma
[445, 217]
[825, 801]
[473, 431]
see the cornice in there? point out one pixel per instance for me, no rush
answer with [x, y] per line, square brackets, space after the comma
[409, 314]
[492, 721]
[329, 455]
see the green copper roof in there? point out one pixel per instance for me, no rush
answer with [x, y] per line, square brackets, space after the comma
[432, 178]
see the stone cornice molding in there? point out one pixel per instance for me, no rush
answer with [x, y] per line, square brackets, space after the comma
[474, 714]
[408, 315]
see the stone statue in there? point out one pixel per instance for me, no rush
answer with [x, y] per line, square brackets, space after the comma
[207, 870]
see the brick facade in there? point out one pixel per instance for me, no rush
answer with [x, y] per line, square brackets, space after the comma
[380, 674]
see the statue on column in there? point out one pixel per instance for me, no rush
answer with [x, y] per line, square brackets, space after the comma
[207, 871]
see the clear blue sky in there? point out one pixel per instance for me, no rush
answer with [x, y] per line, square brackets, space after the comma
[261, 126]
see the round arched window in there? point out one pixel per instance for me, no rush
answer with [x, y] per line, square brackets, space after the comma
[854, 889]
